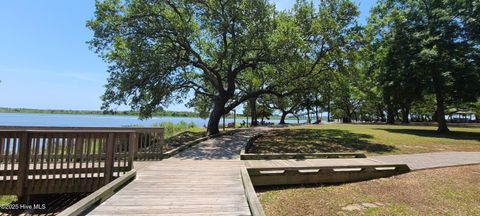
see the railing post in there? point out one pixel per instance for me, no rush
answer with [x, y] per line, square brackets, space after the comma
[162, 143]
[109, 158]
[136, 147]
[23, 166]
[132, 142]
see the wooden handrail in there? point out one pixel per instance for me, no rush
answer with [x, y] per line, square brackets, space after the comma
[38, 160]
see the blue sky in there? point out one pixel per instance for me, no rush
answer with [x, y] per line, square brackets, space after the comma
[45, 62]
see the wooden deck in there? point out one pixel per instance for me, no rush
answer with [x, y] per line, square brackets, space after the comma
[186, 187]
[203, 180]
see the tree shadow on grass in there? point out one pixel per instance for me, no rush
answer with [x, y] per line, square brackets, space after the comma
[316, 141]
[182, 138]
[457, 135]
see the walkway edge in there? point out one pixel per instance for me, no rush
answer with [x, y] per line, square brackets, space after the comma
[252, 199]
[100, 195]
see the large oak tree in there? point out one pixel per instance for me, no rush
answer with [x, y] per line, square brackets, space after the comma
[226, 51]
[160, 50]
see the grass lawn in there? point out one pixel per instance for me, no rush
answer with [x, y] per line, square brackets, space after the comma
[7, 199]
[446, 191]
[371, 139]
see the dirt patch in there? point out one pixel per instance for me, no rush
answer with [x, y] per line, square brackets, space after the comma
[362, 206]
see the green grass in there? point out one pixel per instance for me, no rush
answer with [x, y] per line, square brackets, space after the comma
[446, 191]
[371, 139]
[7, 199]
[170, 129]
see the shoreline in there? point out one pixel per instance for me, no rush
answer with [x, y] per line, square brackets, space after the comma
[180, 114]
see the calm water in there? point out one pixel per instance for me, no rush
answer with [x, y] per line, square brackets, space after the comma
[34, 119]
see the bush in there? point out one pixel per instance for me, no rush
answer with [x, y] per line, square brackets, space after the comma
[171, 129]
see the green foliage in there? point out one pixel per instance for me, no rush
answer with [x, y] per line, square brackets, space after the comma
[170, 129]
[426, 47]
[7, 199]
[159, 51]
[226, 52]
[264, 112]
[412, 56]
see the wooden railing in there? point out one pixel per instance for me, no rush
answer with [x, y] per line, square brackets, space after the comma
[41, 160]
[150, 144]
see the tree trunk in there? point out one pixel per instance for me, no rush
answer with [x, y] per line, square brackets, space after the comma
[282, 119]
[308, 116]
[405, 113]
[390, 114]
[440, 114]
[316, 107]
[253, 110]
[328, 112]
[215, 116]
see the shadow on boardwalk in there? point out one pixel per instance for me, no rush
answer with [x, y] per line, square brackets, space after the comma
[221, 148]
[457, 135]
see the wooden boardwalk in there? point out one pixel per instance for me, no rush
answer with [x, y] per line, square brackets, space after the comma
[203, 180]
[181, 187]
[414, 161]
[432, 160]
[310, 163]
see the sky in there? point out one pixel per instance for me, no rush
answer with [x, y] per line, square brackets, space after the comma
[45, 62]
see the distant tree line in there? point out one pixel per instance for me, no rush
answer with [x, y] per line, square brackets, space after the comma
[96, 112]
[413, 60]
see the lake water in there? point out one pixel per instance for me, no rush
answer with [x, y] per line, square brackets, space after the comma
[34, 119]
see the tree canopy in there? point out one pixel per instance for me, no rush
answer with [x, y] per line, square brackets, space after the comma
[226, 52]
[412, 58]
[427, 47]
